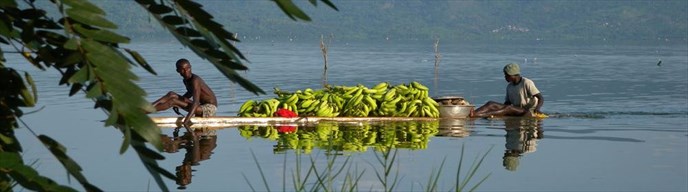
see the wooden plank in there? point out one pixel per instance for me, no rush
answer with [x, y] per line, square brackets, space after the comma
[232, 121]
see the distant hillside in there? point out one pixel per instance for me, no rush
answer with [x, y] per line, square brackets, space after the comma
[472, 20]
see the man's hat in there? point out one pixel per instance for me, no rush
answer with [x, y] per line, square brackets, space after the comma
[512, 69]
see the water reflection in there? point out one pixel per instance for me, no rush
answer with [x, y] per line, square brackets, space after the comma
[522, 135]
[349, 137]
[199, 146]
[454, 128]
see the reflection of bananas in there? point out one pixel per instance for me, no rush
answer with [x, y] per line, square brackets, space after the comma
[347, 137]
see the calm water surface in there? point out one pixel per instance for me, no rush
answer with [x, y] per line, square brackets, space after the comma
[619, 121]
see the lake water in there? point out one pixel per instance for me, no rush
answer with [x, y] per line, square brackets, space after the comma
[619, 121]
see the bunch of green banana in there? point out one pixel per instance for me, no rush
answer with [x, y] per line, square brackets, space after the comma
[265, 108]
[361, 100]
[382, 100]
[410, 100]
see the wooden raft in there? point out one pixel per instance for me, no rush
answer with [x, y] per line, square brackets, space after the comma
[233, 121]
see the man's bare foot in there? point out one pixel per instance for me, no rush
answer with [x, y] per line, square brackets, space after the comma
[528, 114]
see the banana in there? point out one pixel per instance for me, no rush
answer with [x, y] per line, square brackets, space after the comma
[323, 112]
[401, 86]
[351, 91]
[390, 94]
[395, 100]
[306, 103]
[381, 86]
[313, 106]
[371, 102]
[294, 108]
[248, 105]
[293, 99]
[410, 110]
[404, 105]
[417, 85]
[357, 100]
[430, 101]
[305, 96]
[263, 108]
[426, 111]
[370, 91]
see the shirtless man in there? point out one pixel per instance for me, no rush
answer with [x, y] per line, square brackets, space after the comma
[522, 97]
[199, 99]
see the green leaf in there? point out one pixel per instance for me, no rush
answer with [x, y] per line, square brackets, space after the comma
[8, 4]
[76, 87]
[52, 37]
[5, 29]
[94, 90]
[141, 61]
[89, 18]
[30, 81]
[84, 5]
[71, 44]
[72, 58]
[113, 117]
[81, 76]
[101, 35]
[6, 139]
[27, 33]
[203, 44]
[152, 166]
[60, 152]
[173, 20]
[159, 9]
[31, 13]
[46, 24]
[189, 32]
[291, 10]
[330, 4]
[126, 142]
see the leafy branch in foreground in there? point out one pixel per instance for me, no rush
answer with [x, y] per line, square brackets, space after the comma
[82, 47]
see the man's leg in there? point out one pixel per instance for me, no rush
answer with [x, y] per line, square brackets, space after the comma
[487, 109]
[166, 98]
[170, 103]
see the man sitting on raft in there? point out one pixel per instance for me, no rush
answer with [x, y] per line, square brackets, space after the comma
[199, 99]
[522, 97]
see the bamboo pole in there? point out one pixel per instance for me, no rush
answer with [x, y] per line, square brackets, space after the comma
[438, 57]
[324, 48]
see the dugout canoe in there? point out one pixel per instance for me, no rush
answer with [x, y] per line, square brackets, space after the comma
[233, 121]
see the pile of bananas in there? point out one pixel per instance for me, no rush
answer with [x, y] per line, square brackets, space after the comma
[381, 100]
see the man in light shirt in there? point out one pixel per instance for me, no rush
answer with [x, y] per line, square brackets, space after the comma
[522, 97]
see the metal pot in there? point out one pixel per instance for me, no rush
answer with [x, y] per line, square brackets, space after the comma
[455, 111]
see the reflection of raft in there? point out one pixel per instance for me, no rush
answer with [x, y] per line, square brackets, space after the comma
[232, 121]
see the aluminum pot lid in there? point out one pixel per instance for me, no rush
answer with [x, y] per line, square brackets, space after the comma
[448, 97]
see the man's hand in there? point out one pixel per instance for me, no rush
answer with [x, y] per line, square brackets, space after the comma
[187, 122]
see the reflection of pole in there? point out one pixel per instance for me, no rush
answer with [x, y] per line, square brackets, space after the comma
[437, 63]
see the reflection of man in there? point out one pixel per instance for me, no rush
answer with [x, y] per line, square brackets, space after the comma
[521, 137]
[199, 147]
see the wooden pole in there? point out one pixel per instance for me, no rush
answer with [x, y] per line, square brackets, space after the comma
[438, 57]
[323, 48]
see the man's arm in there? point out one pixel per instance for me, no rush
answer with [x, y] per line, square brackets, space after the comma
[195, 91]
[539, 103]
